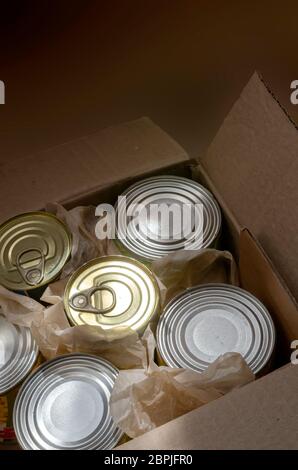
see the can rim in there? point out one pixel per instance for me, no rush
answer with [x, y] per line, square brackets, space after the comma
[263, 310]
[69, 244]
[100, 259]
[28, 365]
[155, 254]
[49, 363]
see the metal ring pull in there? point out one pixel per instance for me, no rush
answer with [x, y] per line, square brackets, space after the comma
[81, 301]
[33, 275]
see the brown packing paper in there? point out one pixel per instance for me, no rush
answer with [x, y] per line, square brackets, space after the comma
[188, 268]
[58, 337]
[81, 222]
[54, 292]
[87, 165]
[55, 336]
[19, 309]
[144, 399]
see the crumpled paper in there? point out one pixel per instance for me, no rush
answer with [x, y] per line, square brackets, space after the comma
[182, 269]
[81, 222]
[54, 335]
[143, 399]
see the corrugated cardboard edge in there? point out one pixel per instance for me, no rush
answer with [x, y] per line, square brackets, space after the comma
[253, 166]
[80, 167]
[259, 276]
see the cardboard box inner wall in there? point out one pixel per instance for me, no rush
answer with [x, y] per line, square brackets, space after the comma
[97, 168]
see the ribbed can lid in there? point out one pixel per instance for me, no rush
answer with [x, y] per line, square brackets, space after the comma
[144, 227]
[64, 405]
[207, 321]
[112, 291]
[18, 353]
[34, 248]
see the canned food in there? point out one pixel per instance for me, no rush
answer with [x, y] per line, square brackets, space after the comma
[18, 355]
[160, 215]
[34, 248]
[112, 291]
[207, 321]
[64, 405]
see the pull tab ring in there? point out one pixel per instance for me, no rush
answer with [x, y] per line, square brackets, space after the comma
[81, 301]
[33, 275]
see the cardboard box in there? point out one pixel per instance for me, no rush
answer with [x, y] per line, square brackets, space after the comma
[251, 168]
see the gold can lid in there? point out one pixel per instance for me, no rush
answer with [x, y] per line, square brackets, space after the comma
[34, 248]
[112, 291]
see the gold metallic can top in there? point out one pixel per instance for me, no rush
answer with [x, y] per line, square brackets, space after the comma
[112, 291]
[34, 248]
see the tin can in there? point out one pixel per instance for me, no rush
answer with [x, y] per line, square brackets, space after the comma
[18, 355]
[112, 291]
[206, 321]
[163, 214]
[34, 248]
[64, 405]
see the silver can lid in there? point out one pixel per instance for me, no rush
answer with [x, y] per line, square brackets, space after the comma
[207, 321]
[144, 227]
[64, 405]
[18, 353]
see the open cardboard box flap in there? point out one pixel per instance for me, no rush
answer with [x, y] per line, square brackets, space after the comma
[252, 162]
[74, 169]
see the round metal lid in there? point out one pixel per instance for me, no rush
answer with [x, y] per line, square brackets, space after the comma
[65, 405]
[18, 353]
[112, 291]
[34, 247]
[207, 321]
[143, 231]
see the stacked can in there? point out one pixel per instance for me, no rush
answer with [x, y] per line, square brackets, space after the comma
[18, 356]
[64, 405]
[141, 230]
[34, 248]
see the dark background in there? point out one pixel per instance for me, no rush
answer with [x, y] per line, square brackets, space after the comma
[72, 67]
